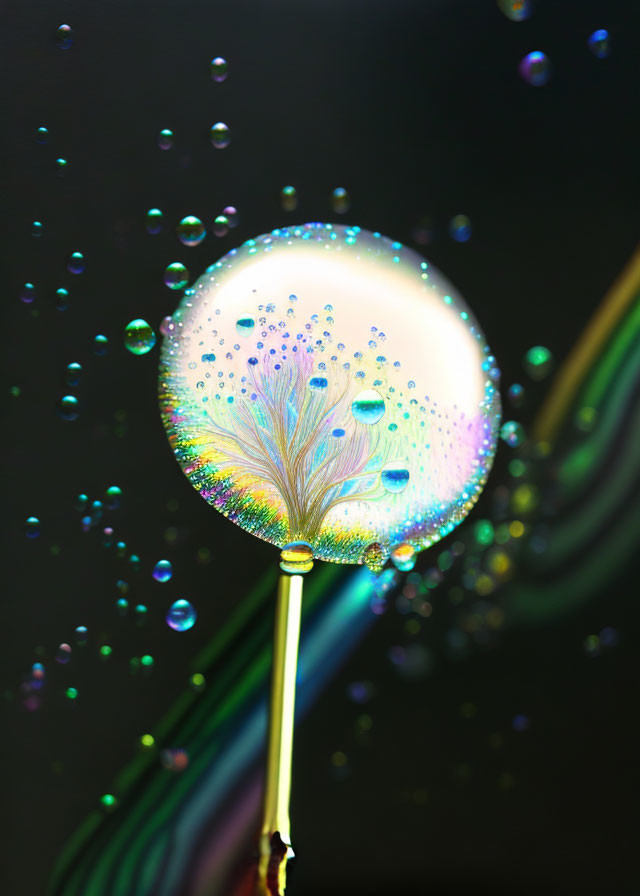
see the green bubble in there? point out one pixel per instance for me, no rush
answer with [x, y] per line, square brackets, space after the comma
[139, 337]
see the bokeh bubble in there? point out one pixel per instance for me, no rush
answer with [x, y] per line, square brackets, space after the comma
[113, 496]
[181, 616]
[340, 201]
[63, 654]
[288, 198]
[218, 69]
[139, 337]
[100, 343]
[354, 425]
[191, 231]
[62, 298]
[74, 372]
[535, 68]
[460, 228]
[599, 43]
[64, 37]
[82, 635]
[32, 527]
[163, 571]
[76, 263]
[154, 221]
[538, 362]
[61, 166]
[69, 407]
[27, 293]
[516, 10]
[37, 228]
[165, 139]
[42, 134]
[219, 135]
[512, 433]
[516, 395]
[176, 276]
[230, 212]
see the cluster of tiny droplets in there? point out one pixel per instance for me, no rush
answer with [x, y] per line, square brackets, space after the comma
[275, 333]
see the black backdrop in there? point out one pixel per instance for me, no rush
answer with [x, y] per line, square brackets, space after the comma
[417, 108]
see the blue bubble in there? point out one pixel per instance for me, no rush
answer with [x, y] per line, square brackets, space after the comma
[181, 616]
[368, 407]
[318, 383]
[599, 44]
[162, 571]
[395, 477]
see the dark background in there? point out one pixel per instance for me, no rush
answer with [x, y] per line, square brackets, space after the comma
[417, 109]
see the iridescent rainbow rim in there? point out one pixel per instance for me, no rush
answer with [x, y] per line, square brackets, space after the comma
[261, 382]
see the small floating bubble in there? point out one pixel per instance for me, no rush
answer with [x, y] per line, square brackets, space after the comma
[61, 165]
[340, 201]
[42, 135]
[165, 139]
[69, 407]
[71, 693]
[535, 68]
[230, 212]
[191, 231]
[318, 383]
[221, 226]
[181, 616]
[516, 10]
[395, 477]
[338, 433]
[512, 433]
[32, 527]
[37, 228]
[162, 571]
[63, 654]
[75, 264]
[296, 558]
[245, 325]
[220, 136]
[139, 337]
[74, 372]
[64, 37]
[154, 221]
[112, 497]
[218, 69]
[368, 407]
[175, 760]
[100, 344]
[82, 635]
[516, 395]
[538, 362]
[62, 298]
[288, 199]
[599, 43]
[108, 802]
[176, 276]
[460, 228]
[27, 293]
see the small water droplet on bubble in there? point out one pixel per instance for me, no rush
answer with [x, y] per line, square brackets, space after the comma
[296, 558]
[368, 407]
[139, 337]
[375, 557]
[191, 231]
[181, 616]
[245, 325]
[395, 477]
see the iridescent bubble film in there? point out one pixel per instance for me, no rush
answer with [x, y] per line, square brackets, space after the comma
[324, 384]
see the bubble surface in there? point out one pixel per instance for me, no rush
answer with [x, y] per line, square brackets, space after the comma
[361, 409]
[181, 616]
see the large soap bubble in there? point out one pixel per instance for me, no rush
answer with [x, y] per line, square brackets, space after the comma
[325, 384]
